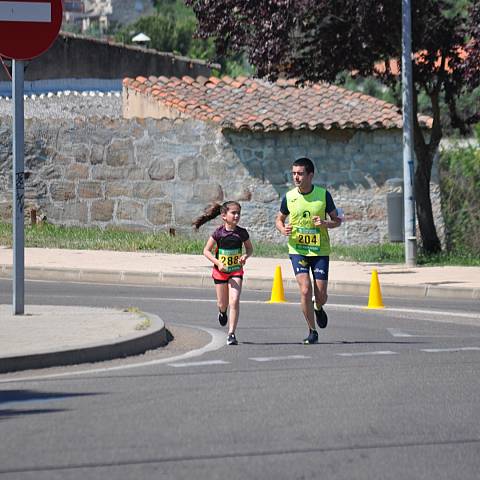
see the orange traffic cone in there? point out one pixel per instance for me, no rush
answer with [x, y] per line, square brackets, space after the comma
[278, 295]
[375, 297]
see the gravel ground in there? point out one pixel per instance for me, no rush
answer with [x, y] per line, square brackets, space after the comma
[68, 104]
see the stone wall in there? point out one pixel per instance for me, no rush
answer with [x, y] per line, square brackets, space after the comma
[76, 56]
[159, 174]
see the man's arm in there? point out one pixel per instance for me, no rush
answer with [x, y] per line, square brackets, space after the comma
[334, 222]
[281, 226]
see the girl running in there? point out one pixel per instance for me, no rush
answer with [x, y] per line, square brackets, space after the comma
[228, 259]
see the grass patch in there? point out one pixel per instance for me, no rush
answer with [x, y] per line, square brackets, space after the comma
[80, 238]
[395, 253]
[145, 323]
[382, 253]
[91, 238]
[132, 310]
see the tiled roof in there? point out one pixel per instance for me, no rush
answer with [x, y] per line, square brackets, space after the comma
[394, 63]
[253, 104]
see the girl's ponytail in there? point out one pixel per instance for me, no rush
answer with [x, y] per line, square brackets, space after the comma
[212, 211]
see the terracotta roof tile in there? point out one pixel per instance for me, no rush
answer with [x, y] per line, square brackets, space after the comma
[247, 103]
[201, 80]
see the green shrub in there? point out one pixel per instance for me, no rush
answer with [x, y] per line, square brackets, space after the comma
[459, 170]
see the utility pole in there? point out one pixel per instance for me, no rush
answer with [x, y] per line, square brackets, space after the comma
[18, 190]
[27, 29]
[410, 238]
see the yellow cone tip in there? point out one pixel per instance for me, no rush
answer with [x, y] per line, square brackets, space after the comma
[375, 297]
[278, 294]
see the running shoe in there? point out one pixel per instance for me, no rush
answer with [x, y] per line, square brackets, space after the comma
[232, 339]
[222, 318]
[321, 317]
[312, 338]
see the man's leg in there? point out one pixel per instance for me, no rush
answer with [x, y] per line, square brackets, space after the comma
[320, 273]
[305, 286]
[320, 292]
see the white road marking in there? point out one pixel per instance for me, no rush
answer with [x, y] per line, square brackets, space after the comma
[25, 12]
[398, 333]
[217, 342]
[440, 313]
[440, 350]
[335, 306]
[358, 354]
[273, 359]
[198, 364]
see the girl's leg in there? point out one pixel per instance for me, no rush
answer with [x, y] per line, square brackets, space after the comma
[235, 289]
[222, 296]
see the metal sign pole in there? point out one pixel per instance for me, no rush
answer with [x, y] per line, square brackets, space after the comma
[28, 28]
[18, 189]
[408, 165]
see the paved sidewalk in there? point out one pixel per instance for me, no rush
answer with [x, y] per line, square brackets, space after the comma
[47, 336]
[195, 271]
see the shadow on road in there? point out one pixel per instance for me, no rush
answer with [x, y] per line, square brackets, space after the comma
[20, 399]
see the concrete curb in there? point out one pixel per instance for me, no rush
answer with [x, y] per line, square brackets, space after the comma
[203, 280]
[134, 344]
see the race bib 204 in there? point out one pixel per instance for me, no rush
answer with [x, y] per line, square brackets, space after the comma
[307, 239]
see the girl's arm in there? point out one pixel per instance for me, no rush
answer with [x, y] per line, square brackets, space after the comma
[207, 252]
[248, 251]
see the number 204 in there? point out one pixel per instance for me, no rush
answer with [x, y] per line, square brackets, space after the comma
[307, 239]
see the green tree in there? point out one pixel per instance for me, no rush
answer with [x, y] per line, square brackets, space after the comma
[460, 185]
[316, 40]
[172, 29]
[166, 35]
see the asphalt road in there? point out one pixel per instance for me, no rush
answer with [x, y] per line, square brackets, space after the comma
[385, 395]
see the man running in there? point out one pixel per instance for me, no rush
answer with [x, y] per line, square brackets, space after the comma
[308, 240]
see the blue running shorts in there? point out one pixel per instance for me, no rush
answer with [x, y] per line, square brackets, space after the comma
[318, 265]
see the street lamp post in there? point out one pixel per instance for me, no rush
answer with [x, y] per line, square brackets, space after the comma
[410, 238]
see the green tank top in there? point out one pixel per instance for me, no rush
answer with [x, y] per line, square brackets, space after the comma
[307, 239]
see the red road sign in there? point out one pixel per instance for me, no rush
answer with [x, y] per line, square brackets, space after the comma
[28, 27]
